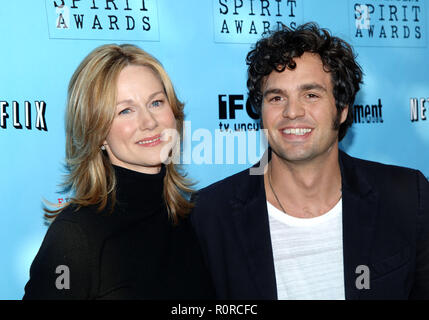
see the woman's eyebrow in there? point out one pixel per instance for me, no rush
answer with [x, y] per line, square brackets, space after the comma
[131, 101]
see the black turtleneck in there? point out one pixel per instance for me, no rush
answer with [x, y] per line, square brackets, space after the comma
[139, 193]
[134, 252]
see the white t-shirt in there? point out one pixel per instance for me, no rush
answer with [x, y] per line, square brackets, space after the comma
[308, 255]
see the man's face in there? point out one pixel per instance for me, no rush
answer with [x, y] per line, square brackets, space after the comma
[299, 111]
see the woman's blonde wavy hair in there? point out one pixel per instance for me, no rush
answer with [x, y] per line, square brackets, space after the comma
[90, 112]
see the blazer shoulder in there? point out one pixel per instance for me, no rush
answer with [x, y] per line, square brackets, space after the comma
[225, 186]
[389, 179]
[389, 170]
[377, 169]
[217, 197]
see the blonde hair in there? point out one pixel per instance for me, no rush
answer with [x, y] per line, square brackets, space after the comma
[90, 112]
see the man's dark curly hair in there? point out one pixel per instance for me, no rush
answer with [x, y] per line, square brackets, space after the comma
[277, 51]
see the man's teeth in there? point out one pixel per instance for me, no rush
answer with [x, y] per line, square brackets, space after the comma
[149, 141]
[297, 131]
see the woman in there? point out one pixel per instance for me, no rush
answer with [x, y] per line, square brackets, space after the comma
[124, 233]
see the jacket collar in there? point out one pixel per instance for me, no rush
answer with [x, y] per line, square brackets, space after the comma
[250, 215]
[360, 209]
[352, 178]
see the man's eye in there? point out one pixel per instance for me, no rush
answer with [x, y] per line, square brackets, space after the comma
[276, 99]
[312, 95]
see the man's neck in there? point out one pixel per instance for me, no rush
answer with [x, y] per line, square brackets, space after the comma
[304, 189]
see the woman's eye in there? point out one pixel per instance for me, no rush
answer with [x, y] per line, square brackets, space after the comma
[125, 111]
[156, 103]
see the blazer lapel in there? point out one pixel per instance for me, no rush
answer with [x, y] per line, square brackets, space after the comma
[360, 207]
[250, 218]
[251, 223]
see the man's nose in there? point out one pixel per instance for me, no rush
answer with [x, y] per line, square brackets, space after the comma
[293, 109]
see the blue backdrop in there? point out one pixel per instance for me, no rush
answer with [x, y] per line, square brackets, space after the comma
[203, 45]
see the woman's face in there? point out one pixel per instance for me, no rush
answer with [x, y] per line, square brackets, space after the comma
[139, 138]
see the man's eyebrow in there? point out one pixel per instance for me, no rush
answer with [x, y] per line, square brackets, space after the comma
[312, 86]
[273, 91]
[303, 87]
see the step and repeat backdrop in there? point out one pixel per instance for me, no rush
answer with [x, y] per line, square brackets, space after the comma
[202, 45]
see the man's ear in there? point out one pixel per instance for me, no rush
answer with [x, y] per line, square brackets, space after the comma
[344, 113]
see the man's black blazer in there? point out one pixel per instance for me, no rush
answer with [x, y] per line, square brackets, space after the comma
[385, 227]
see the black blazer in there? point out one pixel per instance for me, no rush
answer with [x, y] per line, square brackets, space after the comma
[385, 227]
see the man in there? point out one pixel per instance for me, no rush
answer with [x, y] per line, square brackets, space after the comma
[318, 224]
